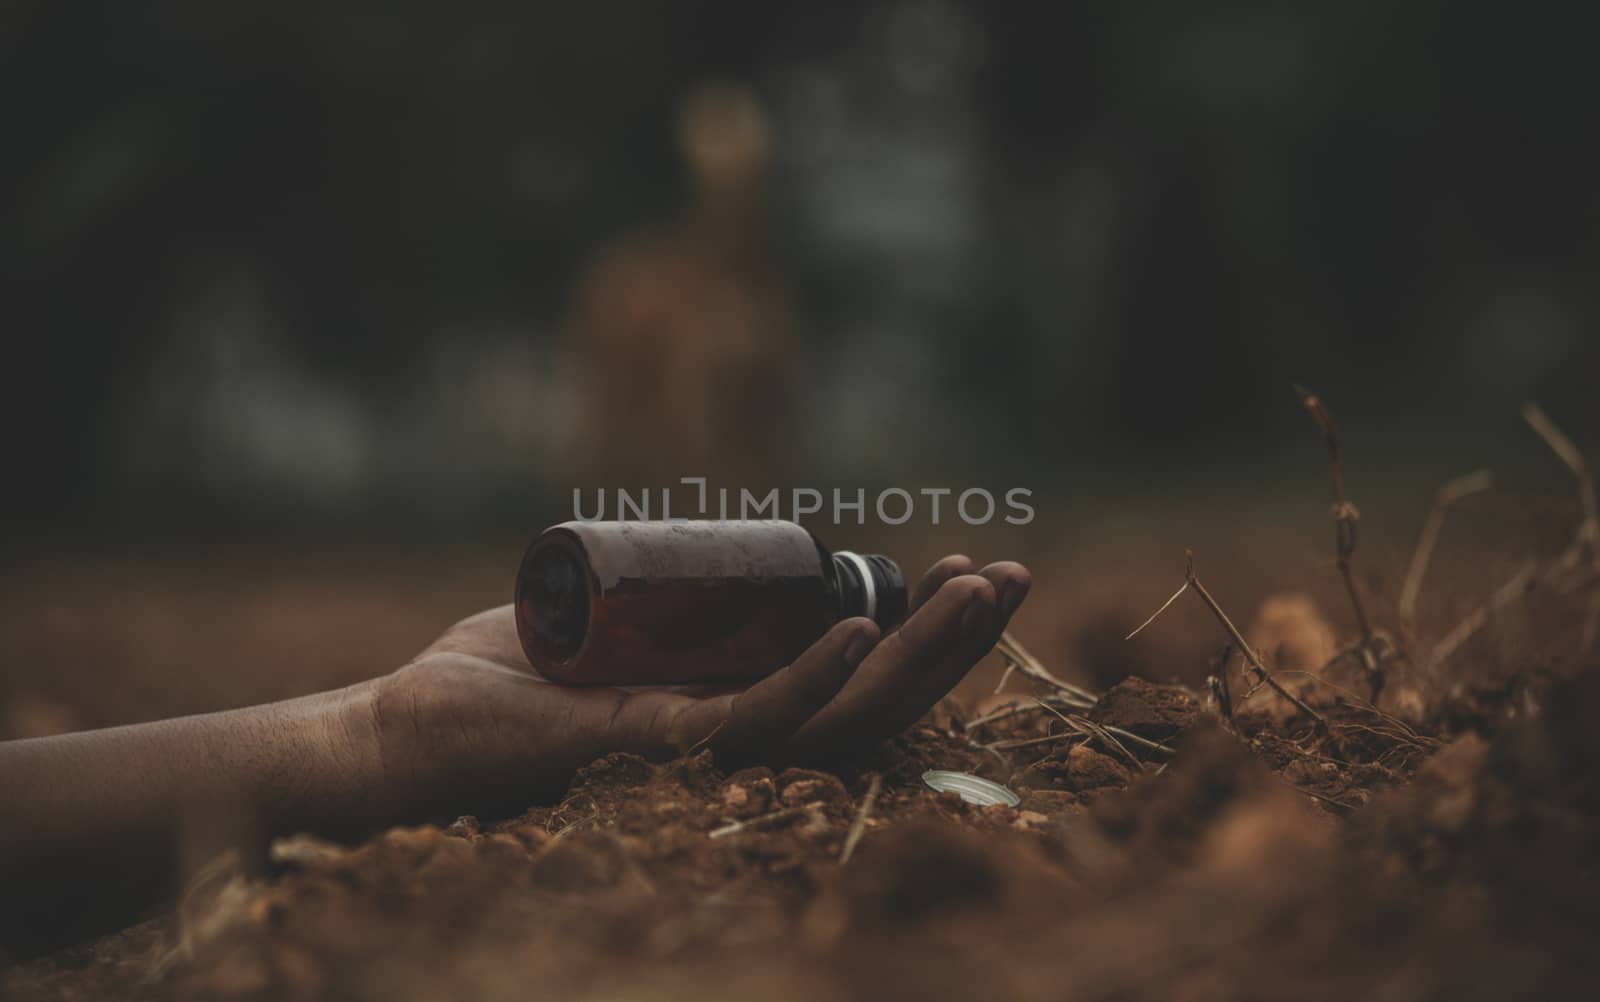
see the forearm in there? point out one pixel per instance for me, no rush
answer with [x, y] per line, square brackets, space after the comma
[101, 824]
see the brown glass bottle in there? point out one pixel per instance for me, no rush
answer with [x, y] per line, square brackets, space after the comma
[654, 603]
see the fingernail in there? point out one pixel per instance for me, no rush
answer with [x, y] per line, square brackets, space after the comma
[977, 623]
[858, 649]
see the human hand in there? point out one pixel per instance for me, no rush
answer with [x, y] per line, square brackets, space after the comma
[466, 726]
[469, 726]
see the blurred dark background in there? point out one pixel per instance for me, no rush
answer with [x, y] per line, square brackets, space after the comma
[314, 313]
[307, 270]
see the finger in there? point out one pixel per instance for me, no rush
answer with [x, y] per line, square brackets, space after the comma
[765, 716]
[942, 570]
[1012, 582]
[739, 724]
[980, 630]
[909, 671]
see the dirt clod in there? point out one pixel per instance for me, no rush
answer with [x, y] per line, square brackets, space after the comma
[1148, 710]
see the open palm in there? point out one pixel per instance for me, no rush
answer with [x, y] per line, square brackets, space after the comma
[468, 724]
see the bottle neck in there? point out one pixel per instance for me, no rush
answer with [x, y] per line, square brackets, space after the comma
[870, 585]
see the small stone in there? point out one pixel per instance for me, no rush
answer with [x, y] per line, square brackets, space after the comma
[746, 800]
[1030, 821]
[802, 786]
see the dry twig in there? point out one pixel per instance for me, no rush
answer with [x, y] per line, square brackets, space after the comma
[1519, 585]
[1139, 741]
[1089, 728]
[756, 822]
[1558, 574]
[1009, 710]
[1164, 606]
[550, 822]
[1017, 656]
[1192, 583]
[859, 825]
[1461, 487]
[1343, 807]
[1345, 517]
[695, 748]
[1588, 534]
[1030, 742]
[1005, 677]
[1568, 453]
[1396, 728]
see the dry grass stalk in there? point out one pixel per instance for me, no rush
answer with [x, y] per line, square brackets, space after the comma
[1395, 728]
[1003, 713]
[1011, 743]
[1137, 740]
[1164, 605]
[1218, 681]
[1558, 575]
[550, 822]
[788, 812]
[1569, 454]
[1005, 677]
[695, 748]
[859, 826]
[569, 828]
[1345, 517]
[1465, 486]
[1051, 704]
[1588, 534]
[1343, 808]
[1263, 676]
[1090, 729]
[1511, 591]
[1017, 656]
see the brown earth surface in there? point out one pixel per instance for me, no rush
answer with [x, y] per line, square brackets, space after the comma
[1248, 862]
[1444, 843]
